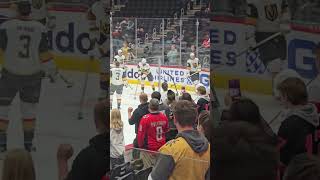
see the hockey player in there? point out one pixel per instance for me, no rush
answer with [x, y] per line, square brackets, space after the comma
[99, 32]
[118, 80]
[270, 17]
[145, 72]
[119, 57]
[194, 68]
[26, 54]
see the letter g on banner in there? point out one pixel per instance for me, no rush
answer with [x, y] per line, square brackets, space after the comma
[301, 57]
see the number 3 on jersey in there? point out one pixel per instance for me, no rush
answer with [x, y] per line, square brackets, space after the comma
[24, 52]
[159, 133]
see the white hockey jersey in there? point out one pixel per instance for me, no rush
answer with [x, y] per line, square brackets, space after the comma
[144, 68]
[268, 14]
[22, 41]
[119, 59]
[193, 64]
[117, 76]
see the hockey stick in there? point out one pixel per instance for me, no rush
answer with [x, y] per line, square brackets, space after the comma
[258, 44]
[280, 112]
[135, 93]
[68, 82]
[84, 90]
[175, 86]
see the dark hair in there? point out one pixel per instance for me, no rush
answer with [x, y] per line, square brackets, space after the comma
[303, 167]
[24, 8]
[171, 96]
[202, 90]
[245, 109]
[206, 123]
[156, 95]
[295, 90]
[185, 113]
[186, 96]
[242, 151]
[164, 86]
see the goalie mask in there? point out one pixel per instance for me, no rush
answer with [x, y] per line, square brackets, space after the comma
[192, 56]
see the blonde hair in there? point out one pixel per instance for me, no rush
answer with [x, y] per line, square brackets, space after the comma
[115, 120]
[18, 165]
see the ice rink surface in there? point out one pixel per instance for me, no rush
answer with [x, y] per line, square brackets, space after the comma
[57, 120]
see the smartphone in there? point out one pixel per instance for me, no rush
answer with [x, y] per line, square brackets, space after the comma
[234, 88]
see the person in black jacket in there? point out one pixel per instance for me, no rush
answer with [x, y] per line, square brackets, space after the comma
[301, 120]
[135, 117]
[92, 163]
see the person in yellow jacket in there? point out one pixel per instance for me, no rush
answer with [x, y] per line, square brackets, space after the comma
[188, 156]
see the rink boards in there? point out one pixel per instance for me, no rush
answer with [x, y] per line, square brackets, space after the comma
[70, 43]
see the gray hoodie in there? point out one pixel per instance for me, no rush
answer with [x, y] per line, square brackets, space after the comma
[116, 142]
[307, 112]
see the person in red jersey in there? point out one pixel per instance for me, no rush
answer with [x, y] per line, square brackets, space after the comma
[152, 128]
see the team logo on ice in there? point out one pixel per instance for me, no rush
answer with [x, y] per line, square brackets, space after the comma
[271, 12]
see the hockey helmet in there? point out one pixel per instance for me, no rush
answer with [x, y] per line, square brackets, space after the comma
[119, 51]
[192, 55]
[143, 61]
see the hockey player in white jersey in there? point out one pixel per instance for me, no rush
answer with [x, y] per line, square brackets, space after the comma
[270, 17]
[145, 72]
[119, 57]
[194, 67]
[118, 80]
[26, 55]
[98, 18]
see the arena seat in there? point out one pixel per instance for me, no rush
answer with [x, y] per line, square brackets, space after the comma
[120, 170]
[129, 176]
[143, 174]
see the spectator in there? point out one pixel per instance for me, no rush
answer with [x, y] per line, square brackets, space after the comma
[243, 151]
[18, 165]
[173, 55]
[116, 139]
[174, 161]
[162, 107]
[164, 96]
[245, 109]
[125, 50]
[301, 119]
[205, 125]
[309, 12]
[152, 128]
[314, 87]
[171, 98]
[135, 117]
[203, 100]
[93, 161]
[206, 41]
[186, 96]
[303, 167]
[151, 134]
[194, 50]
